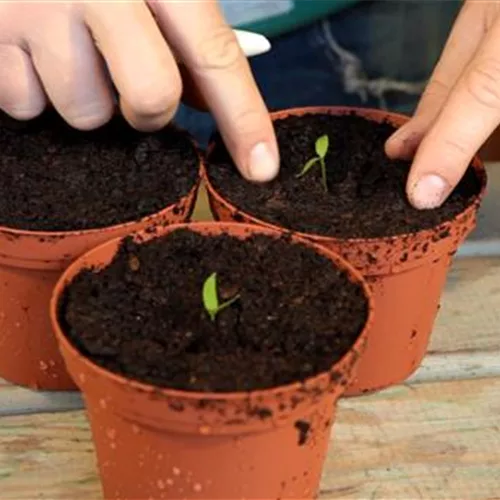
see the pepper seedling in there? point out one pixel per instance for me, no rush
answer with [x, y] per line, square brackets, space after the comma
[211, 297]
[321, 146]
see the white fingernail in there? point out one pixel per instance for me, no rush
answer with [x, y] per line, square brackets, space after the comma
[429, 192]
[263, 165]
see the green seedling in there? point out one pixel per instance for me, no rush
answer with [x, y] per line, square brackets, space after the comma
[321, 146]
[211, 297]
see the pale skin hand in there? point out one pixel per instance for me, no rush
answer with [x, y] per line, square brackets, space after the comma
[459, 109]
[58, 52]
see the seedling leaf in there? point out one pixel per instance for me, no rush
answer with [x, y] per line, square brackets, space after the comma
[210, 299]
[322, 144]
[308, 166]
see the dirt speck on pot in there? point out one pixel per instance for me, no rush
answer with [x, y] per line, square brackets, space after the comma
[303, 428]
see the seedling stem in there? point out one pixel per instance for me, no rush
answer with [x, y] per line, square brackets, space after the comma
[321, 147]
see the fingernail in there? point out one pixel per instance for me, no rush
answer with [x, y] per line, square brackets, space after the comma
[429, 192]
[263, 165]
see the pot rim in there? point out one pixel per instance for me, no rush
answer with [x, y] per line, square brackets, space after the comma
[397, 119]
[145, 235]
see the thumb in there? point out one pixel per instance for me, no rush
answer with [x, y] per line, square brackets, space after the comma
[404, 143]
[460, 48]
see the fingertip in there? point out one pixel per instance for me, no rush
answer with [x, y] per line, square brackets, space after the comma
[24, 113]
[428, 191]
[32, 105]
[90, 117]
[263, 165]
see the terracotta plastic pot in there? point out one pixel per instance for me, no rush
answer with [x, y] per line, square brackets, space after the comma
[407, 273]
[30, 264]
[168, 444]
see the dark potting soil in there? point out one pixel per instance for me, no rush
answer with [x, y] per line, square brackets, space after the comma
[366, 190]
[143, 316]
[55, 178]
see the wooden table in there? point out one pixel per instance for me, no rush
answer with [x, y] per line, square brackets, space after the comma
[435, 437]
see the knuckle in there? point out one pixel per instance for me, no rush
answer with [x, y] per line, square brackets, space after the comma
[483, 82]
[436, 88]
[154, 101]
[218, 50]
[251, 122]
[457, 148]
[250, 127]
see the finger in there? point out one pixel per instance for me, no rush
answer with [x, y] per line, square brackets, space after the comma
[211, 52]
[142, 67]
[470, 115]
[191, 94]
[21, 94]
[71, 70]
[462, 43]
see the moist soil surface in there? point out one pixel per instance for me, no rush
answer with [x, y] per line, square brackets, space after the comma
[143, 315]
[55, 178]
[366, 190]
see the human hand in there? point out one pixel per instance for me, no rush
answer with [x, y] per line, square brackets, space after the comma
[68, 53]
[459, 109]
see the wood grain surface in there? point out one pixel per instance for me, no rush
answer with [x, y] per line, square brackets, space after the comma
[438, 440]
